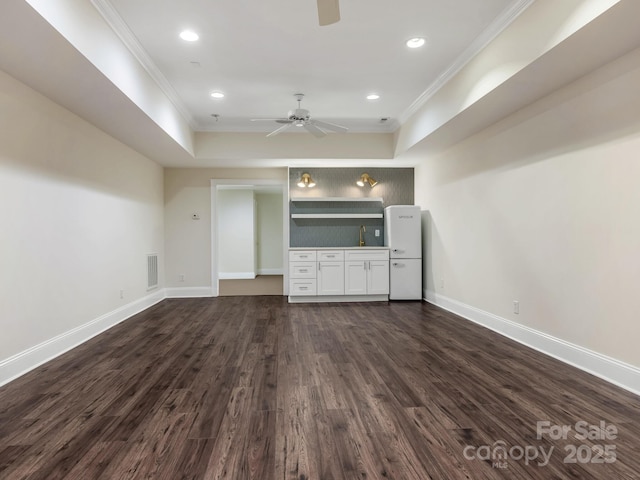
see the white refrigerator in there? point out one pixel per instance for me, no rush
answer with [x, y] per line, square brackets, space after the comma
[403, 236]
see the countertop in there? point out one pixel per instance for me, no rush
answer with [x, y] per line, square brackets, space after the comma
[366, 247]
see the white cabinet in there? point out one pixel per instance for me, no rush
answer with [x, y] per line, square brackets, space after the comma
[355, 278]
[367, 272]
[302, 273]
[330, 272]
[378, 277]
[331, 278]
[357, 274]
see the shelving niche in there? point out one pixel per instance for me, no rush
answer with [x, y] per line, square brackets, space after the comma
[345, 213]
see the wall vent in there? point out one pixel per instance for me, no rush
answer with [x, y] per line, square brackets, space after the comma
[152, 270]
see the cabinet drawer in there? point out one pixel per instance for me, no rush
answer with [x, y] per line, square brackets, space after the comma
[302, 270]
[382, 254]
[302, 255]
[332, 255]
[300, 287]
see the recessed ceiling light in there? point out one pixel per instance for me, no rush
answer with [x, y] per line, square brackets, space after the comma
[373, 96]
[217, 95]
[189, 36]
[415, 42]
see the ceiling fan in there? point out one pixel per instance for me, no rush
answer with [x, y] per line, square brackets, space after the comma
[301, 117]
[328, 12]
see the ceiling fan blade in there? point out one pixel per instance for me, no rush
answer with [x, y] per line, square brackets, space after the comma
[280, 130]
[280, 120]
[330, 126]
[315, 131]
[328, 12]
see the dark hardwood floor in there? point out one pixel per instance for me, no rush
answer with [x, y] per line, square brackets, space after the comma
[255, 388]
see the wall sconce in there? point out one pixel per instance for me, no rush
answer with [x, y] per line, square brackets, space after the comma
[365, 178]
[306, 181]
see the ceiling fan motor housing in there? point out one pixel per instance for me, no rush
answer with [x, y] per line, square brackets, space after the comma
[298, 114]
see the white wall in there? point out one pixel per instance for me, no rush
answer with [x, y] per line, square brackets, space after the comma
[187, 241]
[237, 253]
[270, 239]
[79, 211]
[543, 208]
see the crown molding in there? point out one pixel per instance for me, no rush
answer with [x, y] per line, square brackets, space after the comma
[487, 36]
[119, 26]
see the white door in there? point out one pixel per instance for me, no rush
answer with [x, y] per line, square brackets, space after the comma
[405, 279]
[330, 278]
[355, 278]
[378, 277]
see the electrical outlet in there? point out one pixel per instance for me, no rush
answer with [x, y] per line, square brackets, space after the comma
[121, 293]
[516, 306]
[181, 277]
[377, 232]
[442, 282]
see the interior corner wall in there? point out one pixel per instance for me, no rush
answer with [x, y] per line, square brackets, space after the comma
[543, 208]
[270, 241]
[188, 241]
[79, 212]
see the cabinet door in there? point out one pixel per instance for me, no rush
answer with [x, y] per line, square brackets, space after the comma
[378, 277]
[355, 278]
[330, 278]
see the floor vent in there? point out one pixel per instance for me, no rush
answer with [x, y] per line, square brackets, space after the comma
[152, 271]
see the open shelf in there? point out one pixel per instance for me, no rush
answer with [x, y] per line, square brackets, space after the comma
[337, 199]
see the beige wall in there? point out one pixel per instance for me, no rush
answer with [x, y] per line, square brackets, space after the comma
[79, 211]
[270, 239]
[543, 208]
[187, 241]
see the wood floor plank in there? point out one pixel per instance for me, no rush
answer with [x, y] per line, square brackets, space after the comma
[256, 388]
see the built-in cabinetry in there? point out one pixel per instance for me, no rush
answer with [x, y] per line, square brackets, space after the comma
[302, 272]
[366, 272]
[330, 272]
[349, 274]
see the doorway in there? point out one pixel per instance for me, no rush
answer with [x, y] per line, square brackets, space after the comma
[249, 237]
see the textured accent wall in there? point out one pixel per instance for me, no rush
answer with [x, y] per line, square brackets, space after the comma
[395, 186]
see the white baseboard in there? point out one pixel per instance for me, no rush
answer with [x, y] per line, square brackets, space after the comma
[270, 271]
[21, 363]
[236, 275]
[189, 292]
[613, 371]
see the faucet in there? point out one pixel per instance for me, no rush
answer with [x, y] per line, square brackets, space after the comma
[362, 230]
